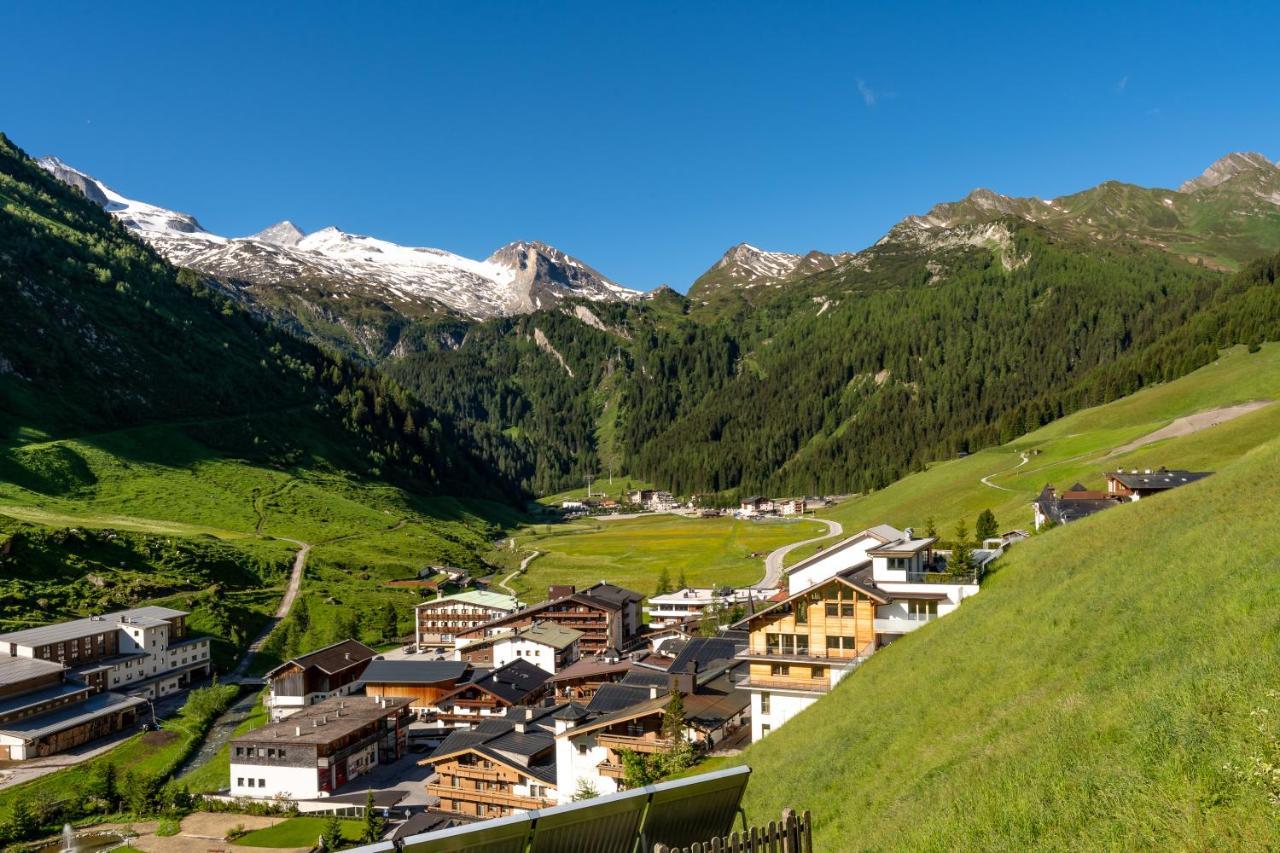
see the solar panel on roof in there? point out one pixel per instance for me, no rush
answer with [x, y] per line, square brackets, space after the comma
[678, 813]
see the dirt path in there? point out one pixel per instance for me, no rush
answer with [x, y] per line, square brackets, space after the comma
[773, 564]
[986, 481]
[524, 564]
[286, 602]
[1192, 424]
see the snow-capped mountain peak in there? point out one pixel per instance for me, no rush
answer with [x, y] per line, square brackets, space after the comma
[138, 215]
[518, 278]
[281, 234]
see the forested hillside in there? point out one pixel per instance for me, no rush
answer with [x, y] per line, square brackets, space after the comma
[853, 378]
[98, 333]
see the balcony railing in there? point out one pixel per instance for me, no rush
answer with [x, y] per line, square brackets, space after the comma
[642, 743]
[901, 626]
[492, 796]
[808, 685]
[832, 656]
[611, 771]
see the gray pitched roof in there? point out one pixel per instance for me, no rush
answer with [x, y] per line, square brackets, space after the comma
[76, 628]
[1163, 478]
[413, 671]
[702, 651]
[615, 697]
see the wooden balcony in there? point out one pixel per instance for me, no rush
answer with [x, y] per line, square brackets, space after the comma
[642, 743]
[492, 796]
[611, 771]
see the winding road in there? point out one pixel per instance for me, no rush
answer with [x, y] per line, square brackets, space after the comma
[986, 481]
[524, 564]
[773, 563]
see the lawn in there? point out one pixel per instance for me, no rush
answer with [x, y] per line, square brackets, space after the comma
[632, 552]
[297, 832]
[1112, 687]
[1076, 448]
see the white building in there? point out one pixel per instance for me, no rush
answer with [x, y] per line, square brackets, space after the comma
[792, 506]
[319, 749]
[661, 501]
[143, 652]
[546, 645]
[673, 607]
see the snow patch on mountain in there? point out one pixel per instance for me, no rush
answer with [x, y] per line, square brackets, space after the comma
[517, 278]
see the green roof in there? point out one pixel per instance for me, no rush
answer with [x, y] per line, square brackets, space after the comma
[481, 598]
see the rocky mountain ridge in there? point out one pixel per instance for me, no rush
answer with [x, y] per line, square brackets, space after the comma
[332, 265]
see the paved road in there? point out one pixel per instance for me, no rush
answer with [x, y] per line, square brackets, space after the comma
[290, 594]
[773, 564]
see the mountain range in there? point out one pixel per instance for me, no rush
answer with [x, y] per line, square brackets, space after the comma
[969, 324]
[332, 265]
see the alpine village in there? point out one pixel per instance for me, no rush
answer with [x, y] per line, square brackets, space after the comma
[961, 537]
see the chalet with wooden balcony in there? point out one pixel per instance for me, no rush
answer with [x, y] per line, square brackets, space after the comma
[608, 616]
[844, 603]
[440, 621]
[504, 765]
[590, 740]
[332, 671]
[490, 694]
[579, 681]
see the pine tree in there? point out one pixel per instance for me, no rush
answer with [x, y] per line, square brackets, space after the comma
[373, 823]
[987, 526]
[961, 562]
[585, 790]
[664, 582]
[681, 583]
[673, 717]
[332, 832]
[931, 527]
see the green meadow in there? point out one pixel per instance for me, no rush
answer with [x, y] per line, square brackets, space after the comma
[1114, 686]
[633, 552]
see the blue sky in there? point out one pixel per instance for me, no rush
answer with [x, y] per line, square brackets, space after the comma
[645, 139]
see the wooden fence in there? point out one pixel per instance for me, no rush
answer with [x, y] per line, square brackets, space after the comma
[792, 834]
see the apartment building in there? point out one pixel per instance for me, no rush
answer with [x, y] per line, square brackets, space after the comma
[674, 607]
[442, 620]
[319, 748]
[608, 616]
[144, 651]
[45, 710]
[546, 645]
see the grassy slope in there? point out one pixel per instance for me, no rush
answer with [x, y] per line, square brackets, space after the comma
[214, 774]
[632, 552]
[1098, 693]
[1076, 448]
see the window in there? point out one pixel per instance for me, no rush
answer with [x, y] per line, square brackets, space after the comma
[773, 643]
[779, 669]
[765, 729]
[240, 782]
[262, 783]
[921, 611]
[817, 671]
[846, 610]
[582, 749]
[802, 644]
[764, 703]
[833, 608]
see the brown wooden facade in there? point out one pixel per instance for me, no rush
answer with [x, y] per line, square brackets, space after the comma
[474, 784]
[794, 645]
